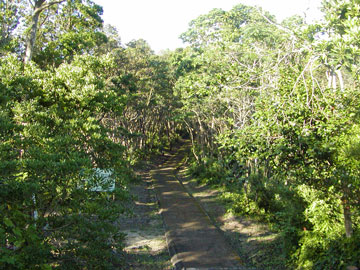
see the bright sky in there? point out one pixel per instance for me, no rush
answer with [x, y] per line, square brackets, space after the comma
[160, 22]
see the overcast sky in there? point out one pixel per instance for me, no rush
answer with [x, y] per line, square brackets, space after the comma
[160, 22]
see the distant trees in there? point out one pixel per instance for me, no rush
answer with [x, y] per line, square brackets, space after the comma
[150, 113]
[10, 12]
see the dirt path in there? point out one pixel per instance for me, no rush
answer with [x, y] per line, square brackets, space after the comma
[194, 242]
[145, 245]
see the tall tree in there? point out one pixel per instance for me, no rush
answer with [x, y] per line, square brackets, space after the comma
[281, 101]
[38, 7]
[341, 53]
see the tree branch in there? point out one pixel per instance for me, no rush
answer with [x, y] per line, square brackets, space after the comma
[41, 8]
[287, 30]
[31, 3]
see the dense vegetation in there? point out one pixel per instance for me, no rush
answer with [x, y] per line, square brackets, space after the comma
[72, 98]
[272, 110]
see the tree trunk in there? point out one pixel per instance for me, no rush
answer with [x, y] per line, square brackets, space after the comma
[192, 140]
[30, 43]
[39, 6]
[341, 80]
[347, 220]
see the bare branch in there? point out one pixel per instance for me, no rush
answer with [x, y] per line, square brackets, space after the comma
[287, 30]
[50, 4]
[31, 3]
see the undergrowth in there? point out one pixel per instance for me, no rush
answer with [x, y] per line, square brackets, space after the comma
[309, 221]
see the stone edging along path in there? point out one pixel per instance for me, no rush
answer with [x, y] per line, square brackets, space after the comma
[193, 241]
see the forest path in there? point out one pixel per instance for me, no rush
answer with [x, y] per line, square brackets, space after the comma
[193, 241]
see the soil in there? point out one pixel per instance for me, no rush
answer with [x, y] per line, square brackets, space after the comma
[145, 243]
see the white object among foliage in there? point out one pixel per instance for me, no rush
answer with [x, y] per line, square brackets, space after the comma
[102, 180]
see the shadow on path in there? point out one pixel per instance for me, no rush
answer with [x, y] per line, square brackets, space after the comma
[193, 241]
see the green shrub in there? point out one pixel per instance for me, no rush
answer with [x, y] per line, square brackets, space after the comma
[323, 244]
[209, 171]
[320, 251]
[51, 131]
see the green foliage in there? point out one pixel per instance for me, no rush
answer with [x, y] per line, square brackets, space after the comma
[11, 12]
[51, 123]
[70, 28]
[150, 114]
[319, 241]
[272, 111]
[84, 103]
[219, 26]
[209, 172]
[318, 252]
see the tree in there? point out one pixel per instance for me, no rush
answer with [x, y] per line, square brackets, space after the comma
[38, 7]
[114, 41]
[53, 136]
[69, 27]
[341, 51]
[219, 26]
[232, 50]
[148, 116]
[273, 112]
[10, 14]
